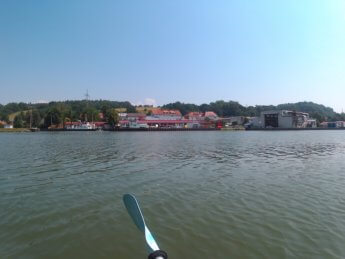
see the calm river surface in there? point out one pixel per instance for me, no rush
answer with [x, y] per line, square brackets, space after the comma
[203, 194]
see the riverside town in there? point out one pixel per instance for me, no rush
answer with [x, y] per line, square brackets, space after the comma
[87, 116]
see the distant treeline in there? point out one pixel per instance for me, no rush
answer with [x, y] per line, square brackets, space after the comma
[55, 113]
[230, 108]
[44, 115]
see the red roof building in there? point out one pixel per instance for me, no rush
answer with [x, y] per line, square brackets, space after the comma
[211, 115]
[194, 116]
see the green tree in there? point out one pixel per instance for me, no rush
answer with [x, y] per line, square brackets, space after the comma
[6, 118]
[33, 117]
[19, 121]
[112, 117]
[53, 117]
[131, 109]
[90, 114]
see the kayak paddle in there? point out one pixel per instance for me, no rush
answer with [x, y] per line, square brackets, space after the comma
[134, 211]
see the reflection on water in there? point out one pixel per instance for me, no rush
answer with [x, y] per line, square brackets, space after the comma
[204, 194]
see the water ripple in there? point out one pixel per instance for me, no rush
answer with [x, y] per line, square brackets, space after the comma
[204, 194]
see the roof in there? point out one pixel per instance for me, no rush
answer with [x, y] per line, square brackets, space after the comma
[159, 121]
[136, 114]
[166, 121]
[158, 111]
[97, 123]
[194, 114]
[210, 114]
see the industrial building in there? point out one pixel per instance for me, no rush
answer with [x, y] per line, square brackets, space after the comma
[283, 119]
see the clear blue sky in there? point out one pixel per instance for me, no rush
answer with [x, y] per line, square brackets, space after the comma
[254, 52]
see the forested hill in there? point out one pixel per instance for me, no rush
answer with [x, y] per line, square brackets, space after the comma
[43, 115]
[56, 112]
[231, 108]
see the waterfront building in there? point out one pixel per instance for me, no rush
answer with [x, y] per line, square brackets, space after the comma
[340, 124]
[311, 123]
[254, 122]
[133, 124]
[170, 123]
[160, 114]
[282, 119]
[136, 116]
[122, 115]
[211, 116]
[234, 120]
[194, 116]
[132, 120]
[332, 124]
[78, 125]
[8, 126]
[160, 118]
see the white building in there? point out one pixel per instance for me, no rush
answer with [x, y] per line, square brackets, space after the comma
[159, 114]
[284, 119]
[234, 120]
[254, 122]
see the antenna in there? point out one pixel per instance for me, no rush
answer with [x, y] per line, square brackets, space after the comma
[87, 96]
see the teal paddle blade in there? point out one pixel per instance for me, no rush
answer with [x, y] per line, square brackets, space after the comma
[134, 211]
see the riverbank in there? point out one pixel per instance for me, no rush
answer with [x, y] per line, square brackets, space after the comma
[139, 129]
[292, 129]
[15, 130]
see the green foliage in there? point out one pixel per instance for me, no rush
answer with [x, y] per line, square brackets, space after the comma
[184, 108]
[54, 116]
[112, 117]
[131, 109]
[19, 121]
[90, 114]
[32, 118]
[231, 108]
[5, 117]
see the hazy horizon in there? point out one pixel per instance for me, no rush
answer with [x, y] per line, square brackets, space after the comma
[157, 52]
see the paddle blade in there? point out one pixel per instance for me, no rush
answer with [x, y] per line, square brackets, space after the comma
[134, 211]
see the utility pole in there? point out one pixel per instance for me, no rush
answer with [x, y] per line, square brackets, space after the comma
[31, 118]
[87, 97]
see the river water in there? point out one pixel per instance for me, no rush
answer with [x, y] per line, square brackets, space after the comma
[203, 194]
